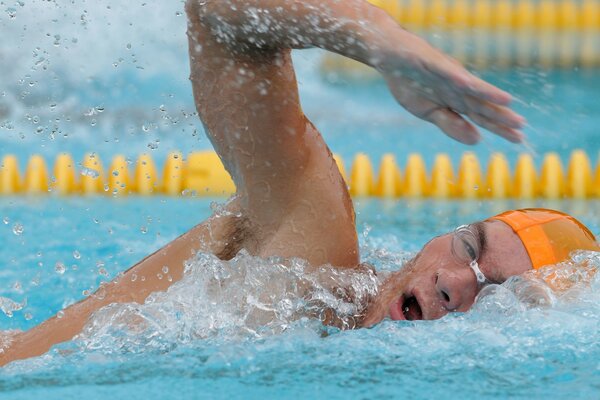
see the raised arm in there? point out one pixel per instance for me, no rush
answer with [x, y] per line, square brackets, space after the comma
[246, 94]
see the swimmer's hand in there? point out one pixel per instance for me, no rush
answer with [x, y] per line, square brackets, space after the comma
[436, 88]
[428, 83]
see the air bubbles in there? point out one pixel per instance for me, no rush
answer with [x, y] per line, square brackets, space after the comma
[5, 220]
[76, 255]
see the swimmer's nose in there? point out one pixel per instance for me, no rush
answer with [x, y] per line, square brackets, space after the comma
[455, 289]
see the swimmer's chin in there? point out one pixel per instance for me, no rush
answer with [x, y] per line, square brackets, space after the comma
[387, 304]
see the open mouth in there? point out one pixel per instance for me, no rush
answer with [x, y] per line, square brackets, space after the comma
[411, 309]
[406, 308]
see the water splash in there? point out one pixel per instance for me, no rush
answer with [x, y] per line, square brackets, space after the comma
[247, 297]
[250, 298]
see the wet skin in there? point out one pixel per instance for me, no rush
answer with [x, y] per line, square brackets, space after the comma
[435, 282]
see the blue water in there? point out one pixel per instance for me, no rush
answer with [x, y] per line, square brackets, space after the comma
[498, 351]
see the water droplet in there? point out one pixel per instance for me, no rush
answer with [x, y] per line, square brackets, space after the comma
[18, 229]
[60, 268]
[8, 306]
[60, 314]
[85, 171]
[165, 269]
[6, 220]
[153, 146]
[102, 271]
[76, 255]
[133, 277]
[115, 173]
[144, 229]
[28, 316]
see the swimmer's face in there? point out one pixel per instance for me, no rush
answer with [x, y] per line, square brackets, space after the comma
[436, 282]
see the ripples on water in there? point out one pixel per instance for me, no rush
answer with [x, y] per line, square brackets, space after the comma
[245, 319]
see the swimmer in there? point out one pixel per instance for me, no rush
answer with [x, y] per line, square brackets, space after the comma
[291, 200]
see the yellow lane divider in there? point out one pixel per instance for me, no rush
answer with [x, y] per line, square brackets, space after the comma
[499, 33]
[203, 174]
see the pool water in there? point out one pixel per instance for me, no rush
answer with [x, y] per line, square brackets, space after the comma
[500, 349]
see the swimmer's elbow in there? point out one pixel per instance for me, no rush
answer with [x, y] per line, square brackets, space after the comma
[209, 13]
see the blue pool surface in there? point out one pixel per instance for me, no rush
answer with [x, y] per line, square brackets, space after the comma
[499, 350]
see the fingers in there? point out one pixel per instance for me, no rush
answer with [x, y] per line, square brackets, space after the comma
[468, 83]
[506, 132]
[499, 114]
[486, 91]
[453, 125]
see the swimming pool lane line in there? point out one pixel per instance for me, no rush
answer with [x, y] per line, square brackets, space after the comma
[202, 174]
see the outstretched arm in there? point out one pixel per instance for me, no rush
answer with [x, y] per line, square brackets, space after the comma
[217, 235]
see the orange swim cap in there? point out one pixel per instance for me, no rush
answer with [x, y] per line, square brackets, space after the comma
[548, 236]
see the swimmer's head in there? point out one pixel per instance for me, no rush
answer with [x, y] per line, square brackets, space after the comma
[447, 274]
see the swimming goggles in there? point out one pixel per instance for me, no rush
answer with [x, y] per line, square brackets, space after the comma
[467, 249]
